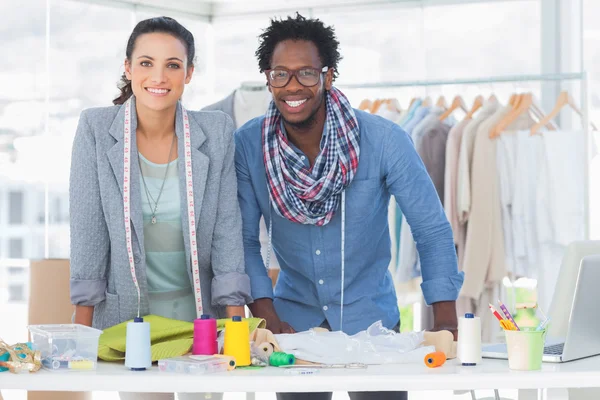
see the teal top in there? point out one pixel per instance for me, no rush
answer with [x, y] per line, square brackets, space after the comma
[163, 241]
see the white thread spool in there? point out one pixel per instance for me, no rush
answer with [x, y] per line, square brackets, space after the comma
[469, 340]
[137, 350]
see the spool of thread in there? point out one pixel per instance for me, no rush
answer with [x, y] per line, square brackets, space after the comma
[237, 341]
[205, 336]
[266, 349]
[469, 340]
[137, 342]
[435, 359]
[279, 359]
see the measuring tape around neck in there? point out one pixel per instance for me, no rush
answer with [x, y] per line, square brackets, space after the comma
[189, 190]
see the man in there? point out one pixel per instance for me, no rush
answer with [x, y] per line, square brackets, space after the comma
[321, 173]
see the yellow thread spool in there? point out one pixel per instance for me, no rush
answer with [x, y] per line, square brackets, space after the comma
[237, 341]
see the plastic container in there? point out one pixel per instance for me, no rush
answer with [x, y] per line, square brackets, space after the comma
[66, 347]
[525, 349]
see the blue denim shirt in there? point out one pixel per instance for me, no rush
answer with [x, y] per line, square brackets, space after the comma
[308, 288]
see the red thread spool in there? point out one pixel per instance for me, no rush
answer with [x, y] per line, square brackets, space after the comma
[435, 359]
[205, 336]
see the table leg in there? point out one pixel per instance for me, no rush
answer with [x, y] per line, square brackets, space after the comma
[250, 396]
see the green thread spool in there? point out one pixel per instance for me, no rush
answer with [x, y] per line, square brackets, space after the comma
[278, 359]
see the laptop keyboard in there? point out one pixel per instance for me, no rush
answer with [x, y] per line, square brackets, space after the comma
[555, 349]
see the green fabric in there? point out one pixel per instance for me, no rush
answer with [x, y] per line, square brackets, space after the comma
[168, 337]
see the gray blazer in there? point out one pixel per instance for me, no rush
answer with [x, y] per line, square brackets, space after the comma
[100, 274]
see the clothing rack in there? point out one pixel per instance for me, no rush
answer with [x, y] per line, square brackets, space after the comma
[561, 77]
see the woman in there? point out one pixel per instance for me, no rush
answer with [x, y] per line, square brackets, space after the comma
[171, 172]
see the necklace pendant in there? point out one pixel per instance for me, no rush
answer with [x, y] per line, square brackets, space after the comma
[153, 220]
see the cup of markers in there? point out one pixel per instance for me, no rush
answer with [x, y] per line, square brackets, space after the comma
[525, 345]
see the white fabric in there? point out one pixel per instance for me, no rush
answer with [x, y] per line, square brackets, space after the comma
[527, 165]
[559, 205]
[465, 159]
[376, 345]
[561, 191]
[506, 152]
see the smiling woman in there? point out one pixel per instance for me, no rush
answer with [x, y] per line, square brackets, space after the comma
[155, 222]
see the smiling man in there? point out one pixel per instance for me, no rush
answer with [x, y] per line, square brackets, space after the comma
[322, 173]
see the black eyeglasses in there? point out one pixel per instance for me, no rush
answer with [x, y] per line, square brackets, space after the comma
[308, 77]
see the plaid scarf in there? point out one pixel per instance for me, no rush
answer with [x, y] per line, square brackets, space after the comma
[311, 196]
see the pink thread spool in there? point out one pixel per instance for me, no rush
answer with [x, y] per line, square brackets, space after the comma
[205, 336]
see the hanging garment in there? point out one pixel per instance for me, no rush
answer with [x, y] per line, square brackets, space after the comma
[506, 153]
[484, 247]
[450, 180]
[416, 118]
[465, 159]
[559, 210]
[527, 175]
[430, 137]
[432, 150]
[411, 111]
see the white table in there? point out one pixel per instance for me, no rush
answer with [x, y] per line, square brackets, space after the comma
[490, 374]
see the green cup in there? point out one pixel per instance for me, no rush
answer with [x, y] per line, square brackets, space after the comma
[525, 349]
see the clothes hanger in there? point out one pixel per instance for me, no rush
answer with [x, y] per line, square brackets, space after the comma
[412, 101]
[537, 111]
[477, 104]
[375, 106]
[564, 99]
[457, 102]
[441, 102]
[394, 105]
[365, 105]
[524, 103]
[426, 102]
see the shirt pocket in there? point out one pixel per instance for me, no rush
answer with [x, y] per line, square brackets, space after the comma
[363, 198]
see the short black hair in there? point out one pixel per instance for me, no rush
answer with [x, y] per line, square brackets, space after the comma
[299, 28]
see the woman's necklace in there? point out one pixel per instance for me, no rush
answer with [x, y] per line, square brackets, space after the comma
[148, 194]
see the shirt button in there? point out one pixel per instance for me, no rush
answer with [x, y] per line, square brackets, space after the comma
[302, 158]
[325, 308]
[321, 281]
[318, 252]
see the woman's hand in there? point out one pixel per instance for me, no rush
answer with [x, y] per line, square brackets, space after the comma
[235, 311]
[84, 315]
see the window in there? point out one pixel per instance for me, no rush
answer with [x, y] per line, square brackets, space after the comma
[15, 248]
[15, 208]
[591, 57]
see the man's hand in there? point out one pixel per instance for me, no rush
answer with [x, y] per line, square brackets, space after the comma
[263, 308]
[444, 317]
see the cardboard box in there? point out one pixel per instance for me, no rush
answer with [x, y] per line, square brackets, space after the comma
[51, 277]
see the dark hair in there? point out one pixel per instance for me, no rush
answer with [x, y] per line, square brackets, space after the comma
[299, 28]
[151, 25]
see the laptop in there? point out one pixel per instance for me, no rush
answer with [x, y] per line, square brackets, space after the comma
[583, 330]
